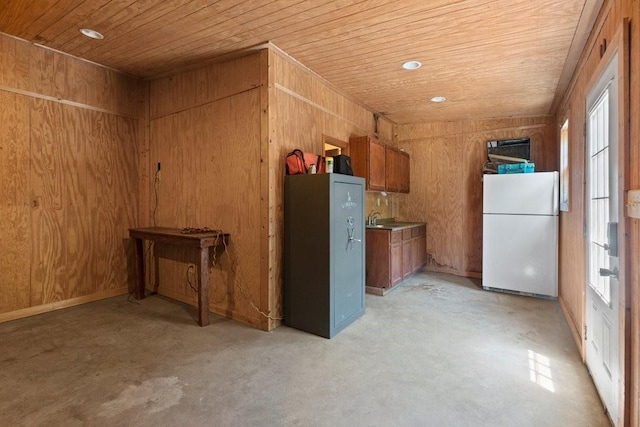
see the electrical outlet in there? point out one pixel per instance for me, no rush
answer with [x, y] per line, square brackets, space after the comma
[633, 203]
[378, 201]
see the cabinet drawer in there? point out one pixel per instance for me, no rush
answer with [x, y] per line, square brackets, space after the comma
[406, 234]
[418, 231]
[396, 237]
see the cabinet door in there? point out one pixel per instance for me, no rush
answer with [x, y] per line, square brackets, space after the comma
[392, 169]
[396, 263]
[368, 161]
[347, 255]
[417, 253]
[421, 252]
[403, 172]
[377, 165]
[379, 260]
[406, 258]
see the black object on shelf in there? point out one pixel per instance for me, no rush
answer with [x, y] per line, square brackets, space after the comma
[342, 165]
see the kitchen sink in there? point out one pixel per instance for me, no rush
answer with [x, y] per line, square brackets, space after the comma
[394, 226]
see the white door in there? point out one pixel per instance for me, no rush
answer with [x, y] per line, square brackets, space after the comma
[603, 289]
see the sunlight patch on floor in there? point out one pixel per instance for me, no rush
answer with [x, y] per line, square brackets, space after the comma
[540, 370]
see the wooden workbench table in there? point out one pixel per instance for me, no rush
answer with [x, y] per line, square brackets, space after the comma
[174, 236]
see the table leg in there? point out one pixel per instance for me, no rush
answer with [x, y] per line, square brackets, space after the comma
[139, 268]
[203, 287]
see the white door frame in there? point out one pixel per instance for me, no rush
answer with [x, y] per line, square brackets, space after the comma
[619, 45]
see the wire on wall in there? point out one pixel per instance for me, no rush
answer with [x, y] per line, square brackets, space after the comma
[147, 258]
[240, 281]
[241, 285]
[191, 267]
[156, 184]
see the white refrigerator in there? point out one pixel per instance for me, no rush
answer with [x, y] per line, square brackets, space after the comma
[520, 233]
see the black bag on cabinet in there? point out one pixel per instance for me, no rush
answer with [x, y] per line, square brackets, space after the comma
[342, 164]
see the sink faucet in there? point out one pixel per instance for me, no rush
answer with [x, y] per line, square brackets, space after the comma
[371, 219]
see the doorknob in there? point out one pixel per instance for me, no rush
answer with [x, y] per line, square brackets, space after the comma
[611, 273]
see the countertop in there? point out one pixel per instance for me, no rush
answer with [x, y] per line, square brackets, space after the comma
[395, 226]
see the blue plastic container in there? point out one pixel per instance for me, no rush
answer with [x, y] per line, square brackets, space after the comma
[517, 168]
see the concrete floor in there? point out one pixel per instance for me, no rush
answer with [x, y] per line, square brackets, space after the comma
[436, 352]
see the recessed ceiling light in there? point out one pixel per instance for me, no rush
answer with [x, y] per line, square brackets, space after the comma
[411, 65]
[93, 34]
[438, 99]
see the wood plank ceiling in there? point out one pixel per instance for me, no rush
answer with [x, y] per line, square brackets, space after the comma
[489, 58]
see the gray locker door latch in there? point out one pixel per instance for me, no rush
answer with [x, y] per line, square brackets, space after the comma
[351, 231]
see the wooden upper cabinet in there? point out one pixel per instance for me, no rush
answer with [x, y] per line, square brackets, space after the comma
[392, 156]
[368, 161]
[385, 168]
[403, 172]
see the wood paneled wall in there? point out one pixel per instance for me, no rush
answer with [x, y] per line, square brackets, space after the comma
[221, 134]
[205, 131]
[572, 242]
[446, 181]
[633, 347]
[69, 133]
[303, 107]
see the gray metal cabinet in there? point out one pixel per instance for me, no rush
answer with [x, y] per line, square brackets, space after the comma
[324, 252]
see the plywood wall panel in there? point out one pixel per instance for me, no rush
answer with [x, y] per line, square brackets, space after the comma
[200, 86]
[48, 136]
[303, 108]
[572, 238]
[84, 171]
[71, 131]
[299, 82]
[209, 178]
[634, 224]
[572, 241]
[441, 174]
[385, 130]
[15, 203]
[446, 181]
[37, 71]
[474, 155]
[78, 248]
[14, 59]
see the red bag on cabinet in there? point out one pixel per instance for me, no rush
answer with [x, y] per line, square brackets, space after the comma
[295, 163]
[300, 163]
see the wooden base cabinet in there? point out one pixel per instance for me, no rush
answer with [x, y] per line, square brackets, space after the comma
[418, 253]
[394, 255]
[407, 247]
[397, 273]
